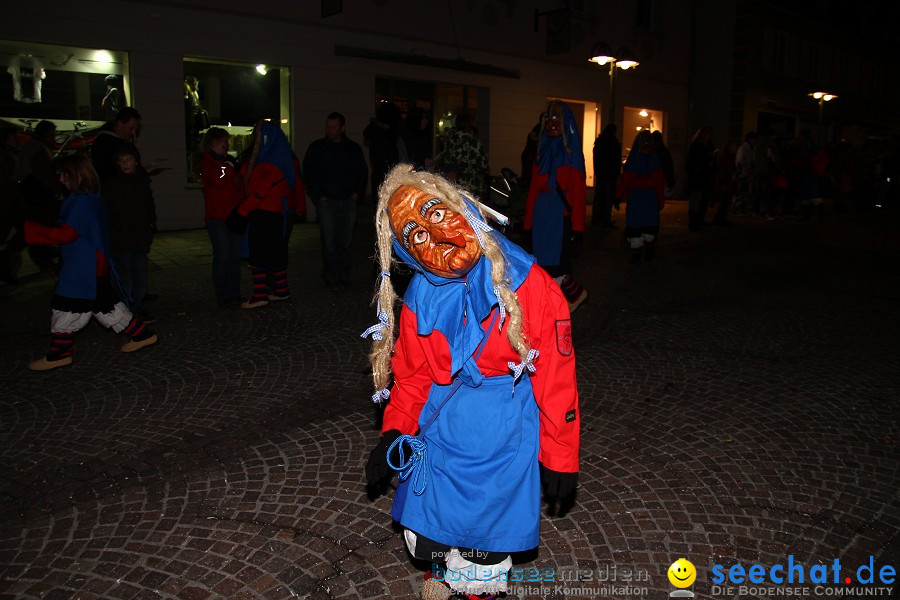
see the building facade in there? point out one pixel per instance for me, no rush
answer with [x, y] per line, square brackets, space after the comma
[498, 60]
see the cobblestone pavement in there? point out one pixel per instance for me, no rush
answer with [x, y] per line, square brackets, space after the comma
[739, 401]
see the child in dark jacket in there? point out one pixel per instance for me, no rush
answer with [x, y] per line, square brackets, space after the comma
[86, 281]
[132, 221]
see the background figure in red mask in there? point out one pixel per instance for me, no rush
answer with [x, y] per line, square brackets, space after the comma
[555, 207]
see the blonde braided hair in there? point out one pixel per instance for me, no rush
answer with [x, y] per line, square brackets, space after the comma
[385, 297]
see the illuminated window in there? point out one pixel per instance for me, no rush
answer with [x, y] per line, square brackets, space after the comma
[233, 96]
[76, 88]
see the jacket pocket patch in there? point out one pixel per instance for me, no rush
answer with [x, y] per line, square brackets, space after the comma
[564, 337]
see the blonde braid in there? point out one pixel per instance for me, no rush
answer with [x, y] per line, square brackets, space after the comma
[386, 297]
[514, 332]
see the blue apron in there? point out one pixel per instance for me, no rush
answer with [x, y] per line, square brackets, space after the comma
[482, 486]
[547, 237]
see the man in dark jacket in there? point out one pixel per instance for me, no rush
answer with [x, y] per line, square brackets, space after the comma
[607, 166]
[335, 174]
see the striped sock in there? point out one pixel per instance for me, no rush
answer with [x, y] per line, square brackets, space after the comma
[281, 285]
[60, 345]
[137, 329]
[570, 288]
[260, 283]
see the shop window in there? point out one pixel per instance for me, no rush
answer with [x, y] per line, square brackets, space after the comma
[415, 100]
[440, 103]
[233, 96]
[76, 88]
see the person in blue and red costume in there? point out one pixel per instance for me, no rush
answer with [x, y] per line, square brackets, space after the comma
[87, 283]
[484, 371]
[642, 185]
[271, 179]
[555, 206]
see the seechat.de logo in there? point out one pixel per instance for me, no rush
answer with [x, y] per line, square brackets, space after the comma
[794, 573]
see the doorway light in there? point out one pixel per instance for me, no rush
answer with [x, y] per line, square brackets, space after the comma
[261, 69]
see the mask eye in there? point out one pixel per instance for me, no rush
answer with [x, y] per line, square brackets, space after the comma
[420, 237]
[437, 215]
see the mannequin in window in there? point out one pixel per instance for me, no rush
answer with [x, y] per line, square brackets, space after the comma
[196, 121]
[114, 100]
[28, 76]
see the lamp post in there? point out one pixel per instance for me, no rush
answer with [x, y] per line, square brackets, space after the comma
[822, 98]
[623, 59]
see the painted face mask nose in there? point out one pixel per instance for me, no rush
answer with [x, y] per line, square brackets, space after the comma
[455, 238]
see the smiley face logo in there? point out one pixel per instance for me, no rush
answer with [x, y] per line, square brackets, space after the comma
[682, 573]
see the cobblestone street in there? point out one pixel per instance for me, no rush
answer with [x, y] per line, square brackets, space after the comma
[739, 395]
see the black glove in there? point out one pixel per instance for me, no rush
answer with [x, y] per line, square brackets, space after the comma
[236, 223]
[378, 473]
[556, 484]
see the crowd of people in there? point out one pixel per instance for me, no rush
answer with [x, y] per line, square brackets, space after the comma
[767, 175]
[253, 199]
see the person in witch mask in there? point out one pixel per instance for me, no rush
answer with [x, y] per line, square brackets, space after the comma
[267, 211]
[642, 186]
[555, 206]
[483, 372]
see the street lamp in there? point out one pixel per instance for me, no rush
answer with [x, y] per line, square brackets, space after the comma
[624, 59]
[822, 97]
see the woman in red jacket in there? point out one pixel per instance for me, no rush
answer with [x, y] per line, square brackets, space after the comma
[271, 181]
[223, 190]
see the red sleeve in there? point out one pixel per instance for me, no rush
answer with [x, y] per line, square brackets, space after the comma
[212, 173]
[659, 182]
[549, 329]
[571, 181]
[264, 178]
[573, 184]
[219, 175]
[102, 264]
[630, 180]
[41, 235]
[413, 362]
[253, 195]
[538, 185]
